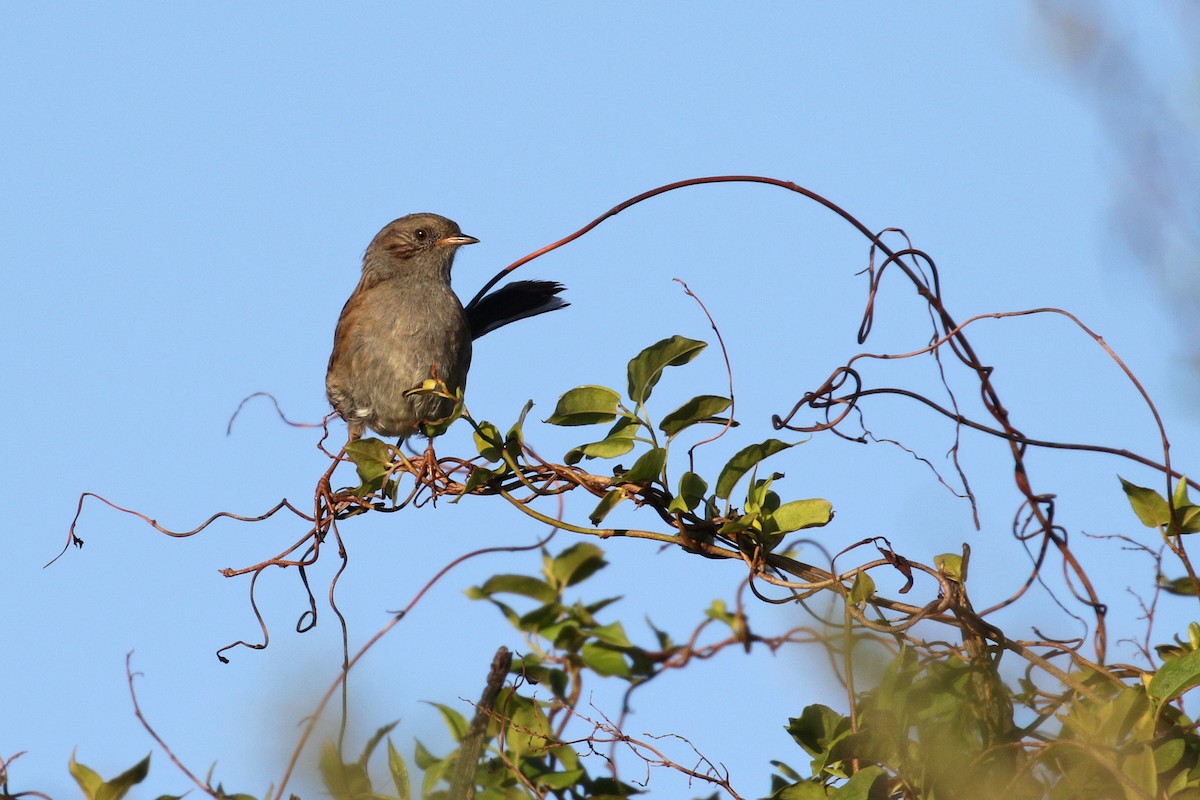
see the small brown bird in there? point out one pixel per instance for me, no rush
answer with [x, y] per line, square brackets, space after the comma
[403, 325]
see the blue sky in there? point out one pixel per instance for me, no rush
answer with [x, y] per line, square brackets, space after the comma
[188, 190]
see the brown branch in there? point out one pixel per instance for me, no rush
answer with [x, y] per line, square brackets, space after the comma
[462, 786]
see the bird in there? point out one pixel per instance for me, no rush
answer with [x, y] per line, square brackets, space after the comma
[403, 325]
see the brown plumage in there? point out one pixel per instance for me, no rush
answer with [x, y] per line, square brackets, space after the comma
[403, 324]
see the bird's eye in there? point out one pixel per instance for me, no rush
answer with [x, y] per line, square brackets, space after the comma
[421, 233]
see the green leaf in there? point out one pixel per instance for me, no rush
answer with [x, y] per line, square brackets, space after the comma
[744, 461]
[435, 768]
[949, 564]
[523, 585]
[691, 492]
[738, 524]
[1187, 516]
[605, 661]
[89, 781]
[618, 442]
[647, 366]
[702, 408]
[647, 468]
[374, 741]
[863, 588]
[1175, 677]
[585, 405]
[759, 496]
[720, 612]
[817, 728]
[373, 459]
[799, 514]
[516, 434]
[1168, 754]
[96, 788]
[488, 442]
[455, 721]
[1180, 497]
[1138, 764]
[423, 758]
[478, 476]
[1184, 586]
[612, 634]
[1149, 505]
[436, 427]
[399, 770]
[559, 780]
[1187, 519]
[345, 781]
[607, 503]
[859, 786]
[577, 563]
[803, 790]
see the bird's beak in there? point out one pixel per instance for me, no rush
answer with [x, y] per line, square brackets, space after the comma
[457, 241]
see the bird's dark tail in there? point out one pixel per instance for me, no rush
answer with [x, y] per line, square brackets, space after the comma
[511, 302]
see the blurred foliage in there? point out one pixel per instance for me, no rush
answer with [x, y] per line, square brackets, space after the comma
[939, 720]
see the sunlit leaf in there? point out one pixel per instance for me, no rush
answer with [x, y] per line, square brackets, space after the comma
[647, 366]
[605, 660]
[478, 476]
[523, 585]
[648, 467]
[607, 503]
[802, 790]
[516, 434]
[612, 634]
[1150, 506]
[372, 459]
[585, 405]
[799, 514]
[399, 770]
[863, 588]
[1183, 586]
[744, 461]
[1176, 676]
[87, 778]
[618, 442]
[949, 564]
[374, 741]
[343, 780]
[817, 728]
[859, 786]
[691, 492]
[455, 721]
[118, 787]
[699, 409]
[488, 442]
[577, 563]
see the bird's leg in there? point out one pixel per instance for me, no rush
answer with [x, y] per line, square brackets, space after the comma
[324, 501]
[425, 470]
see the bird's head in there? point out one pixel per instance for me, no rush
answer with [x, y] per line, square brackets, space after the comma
[416, 245]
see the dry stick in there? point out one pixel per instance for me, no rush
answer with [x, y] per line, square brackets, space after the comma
[462, 787]
[1011, 436]
[137, 710]
[636, 746]
[4, 792]
[278, 411]
[73, 539]
[728, 374]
